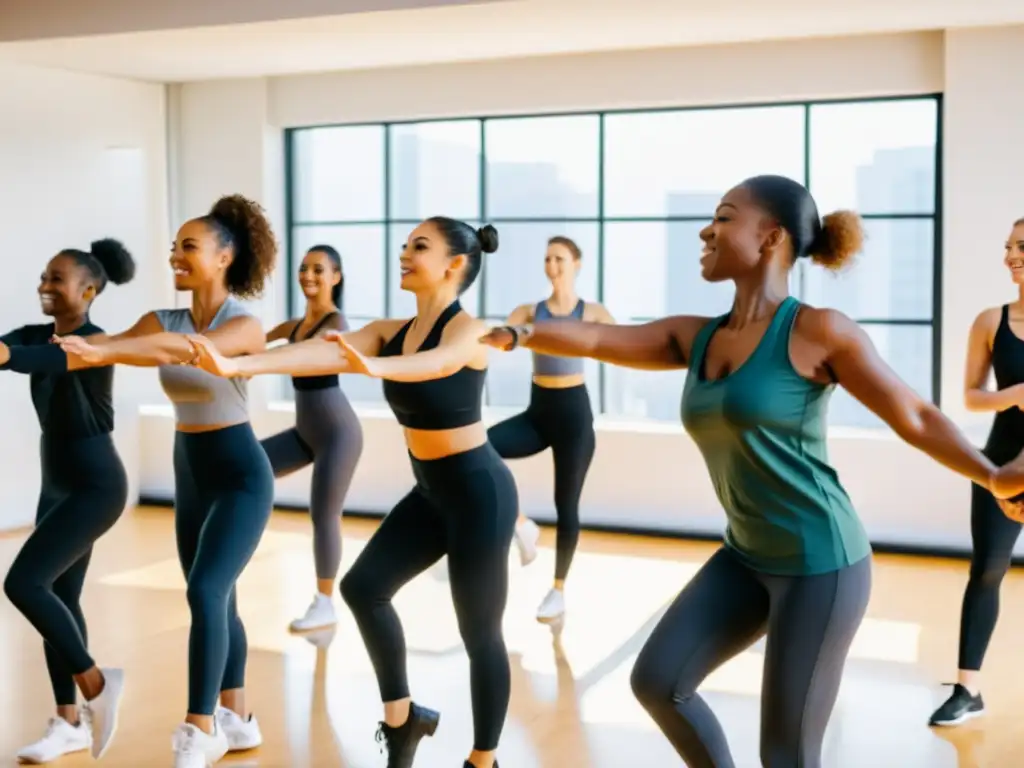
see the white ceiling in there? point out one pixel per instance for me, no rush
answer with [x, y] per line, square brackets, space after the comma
[488, 31]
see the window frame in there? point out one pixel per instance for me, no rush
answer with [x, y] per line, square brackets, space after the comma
[600, 219]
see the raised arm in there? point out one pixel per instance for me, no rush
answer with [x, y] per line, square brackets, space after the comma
[459, 347]
[864, 374]
[314, 357]
[659, 345]
[977, 395]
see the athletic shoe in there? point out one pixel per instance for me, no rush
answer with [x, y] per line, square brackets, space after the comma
[960, 707]
[62, 738]
[401, 742]
[552, 608]
[527, 536]
[194, 748]
[101, 712]
[241, 734]
[319, 615]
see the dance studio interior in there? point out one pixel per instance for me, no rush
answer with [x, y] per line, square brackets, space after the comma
[620, 151]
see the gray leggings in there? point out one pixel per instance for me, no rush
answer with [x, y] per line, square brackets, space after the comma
[810, 622]
[328, 435]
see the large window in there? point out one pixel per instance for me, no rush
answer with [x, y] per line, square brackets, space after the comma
[633, 189]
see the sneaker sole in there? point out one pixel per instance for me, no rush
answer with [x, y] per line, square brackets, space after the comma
[958, 721]
[551, 619]
[114, 716]
[32, 761]
[299, 630]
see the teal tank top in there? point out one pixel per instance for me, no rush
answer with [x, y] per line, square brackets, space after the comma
[761, 430]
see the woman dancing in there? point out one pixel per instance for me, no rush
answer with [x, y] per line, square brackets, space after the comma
[224, 487]
[558, 417]
[84, 491]
[464, 502]
[327, 432]
[796, 562]
[995, 346]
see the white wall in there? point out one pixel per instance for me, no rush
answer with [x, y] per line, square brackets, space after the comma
[81, 157]
[651, 476]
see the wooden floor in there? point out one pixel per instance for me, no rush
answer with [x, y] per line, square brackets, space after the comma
[571, 705]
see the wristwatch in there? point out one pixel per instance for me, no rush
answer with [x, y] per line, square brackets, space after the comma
[520, 334]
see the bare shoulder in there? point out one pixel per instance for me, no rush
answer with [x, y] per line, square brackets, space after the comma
[596, 312]
[464, 323]
[384, 329]
[825, 327]
[988, 320]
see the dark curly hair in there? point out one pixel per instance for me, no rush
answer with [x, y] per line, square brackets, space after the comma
[106, 260]
[242, 224]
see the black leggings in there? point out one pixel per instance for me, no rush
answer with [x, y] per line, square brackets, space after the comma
[328, 435]
[84, 492]
[993, 536]
[463, 506]
[810, 622]
[562, 420]
[223, 494]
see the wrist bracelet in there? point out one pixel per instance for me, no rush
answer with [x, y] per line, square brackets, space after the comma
[515, 337]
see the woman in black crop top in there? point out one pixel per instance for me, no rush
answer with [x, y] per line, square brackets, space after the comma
[327, 432]
[464, 503]
[996, 346]
[84, 491]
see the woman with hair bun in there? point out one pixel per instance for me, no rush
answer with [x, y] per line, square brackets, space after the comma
[464, 503]
[224, 486]
[327, 432]
[84, 491]
[796, 564]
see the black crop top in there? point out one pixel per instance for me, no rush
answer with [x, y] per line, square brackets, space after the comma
[326, 381]
[447, 403]
[72, 404]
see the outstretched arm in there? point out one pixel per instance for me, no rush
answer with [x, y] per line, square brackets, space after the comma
[660, 345]
[865, 375]
[459, 347]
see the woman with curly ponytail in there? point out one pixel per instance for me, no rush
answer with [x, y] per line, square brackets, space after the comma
[224, 486]
[796, 565]
[84, 491]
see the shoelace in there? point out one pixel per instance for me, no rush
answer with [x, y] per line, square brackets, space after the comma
[183, 741]
[384, 738]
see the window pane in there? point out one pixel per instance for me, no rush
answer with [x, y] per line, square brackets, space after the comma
[509, 375]
[874, 157]
[515, 274]
[435, 170]
[652, 269]
[362, 389]
[636, 394]
[908, 349]
[403, 303]
[542, 167]
[891, 280]
[338, 173]
[681, 163]
[362, 259]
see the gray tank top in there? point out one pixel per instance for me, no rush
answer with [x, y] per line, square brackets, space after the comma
[552, 365]
[200, 398]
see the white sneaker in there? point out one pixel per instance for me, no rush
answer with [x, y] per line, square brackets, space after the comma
[552, 608]
[241, 734]
[101, 712]
[319, 615]
[62, 738]
[527, 536]
[194, 748]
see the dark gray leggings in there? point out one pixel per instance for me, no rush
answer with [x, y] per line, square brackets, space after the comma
[810, 622]
[328, 435]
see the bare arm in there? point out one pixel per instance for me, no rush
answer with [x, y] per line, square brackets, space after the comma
[459, 347]
[521, 314]
[656, 346]
[977, 395]
[314, 357]
[598, 313]
[281, 331]
[865, 375]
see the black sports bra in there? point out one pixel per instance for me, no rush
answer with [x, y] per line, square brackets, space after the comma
[327, 381]
[447, 403]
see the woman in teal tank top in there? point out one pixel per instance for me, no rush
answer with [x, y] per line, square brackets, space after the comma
[796, 561]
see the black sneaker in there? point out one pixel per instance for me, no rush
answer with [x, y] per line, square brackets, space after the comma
[960, 707]
[401, 742]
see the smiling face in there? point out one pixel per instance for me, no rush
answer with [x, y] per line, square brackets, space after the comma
[735, 241]
[1014, 256]
[560, 264]
[318, 275]
[426, 264]
[198, 258]
[65, 288]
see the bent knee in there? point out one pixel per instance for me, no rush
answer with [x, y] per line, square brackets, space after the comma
[649, 687]
[204, 596]
[359, 590]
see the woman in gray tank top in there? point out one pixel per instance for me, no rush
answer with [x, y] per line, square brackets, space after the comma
[327, 432]
[224, 486]
[558, 417]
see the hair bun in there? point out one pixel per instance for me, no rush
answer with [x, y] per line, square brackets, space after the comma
[488, 237]
[840, 239]
[117, 263]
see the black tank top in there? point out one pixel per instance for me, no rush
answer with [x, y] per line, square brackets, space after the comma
[1007, 436]
[447, 403]
[327, 381]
